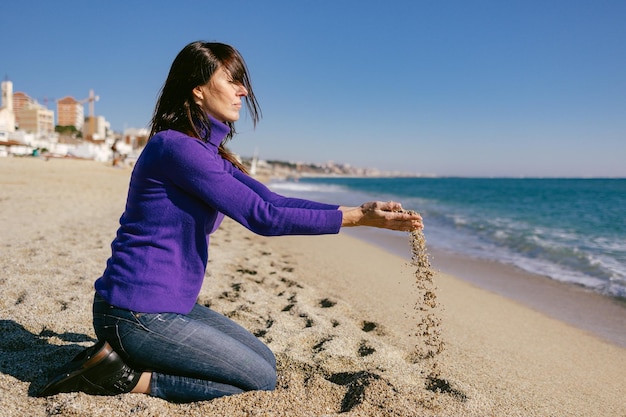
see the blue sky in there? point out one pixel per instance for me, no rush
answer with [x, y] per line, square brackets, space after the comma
[472, 88]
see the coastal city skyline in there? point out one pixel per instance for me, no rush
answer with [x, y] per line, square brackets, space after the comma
[452, 88]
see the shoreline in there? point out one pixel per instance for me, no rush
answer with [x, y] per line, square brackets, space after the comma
[600, 315]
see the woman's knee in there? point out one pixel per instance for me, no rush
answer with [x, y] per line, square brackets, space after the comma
[267, 381]
[260, 377]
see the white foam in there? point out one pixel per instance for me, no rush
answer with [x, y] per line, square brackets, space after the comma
[308, 187]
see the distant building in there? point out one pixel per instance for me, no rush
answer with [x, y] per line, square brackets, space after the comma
[70, 112]
[136, 138]
[7, 114]
[96, 128]
[32, 117]
[20, 100]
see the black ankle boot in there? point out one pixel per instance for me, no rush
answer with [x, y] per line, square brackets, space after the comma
[97, 370]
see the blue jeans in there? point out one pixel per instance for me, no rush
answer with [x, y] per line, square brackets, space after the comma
[193, 357]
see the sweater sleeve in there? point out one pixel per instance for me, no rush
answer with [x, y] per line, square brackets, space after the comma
[277, 199]
[196, 168]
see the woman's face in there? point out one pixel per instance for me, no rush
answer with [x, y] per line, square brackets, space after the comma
[221, 96]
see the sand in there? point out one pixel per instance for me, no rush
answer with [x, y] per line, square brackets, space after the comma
[339, 313]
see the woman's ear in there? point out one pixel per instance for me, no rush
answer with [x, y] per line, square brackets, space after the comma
[197, 93]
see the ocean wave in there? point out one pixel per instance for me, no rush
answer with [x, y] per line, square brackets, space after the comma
[562, 255]
[304, 187]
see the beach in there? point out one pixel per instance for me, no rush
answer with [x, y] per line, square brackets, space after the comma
[340, 313]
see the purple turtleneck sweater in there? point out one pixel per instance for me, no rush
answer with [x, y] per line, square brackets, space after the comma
[180, 190]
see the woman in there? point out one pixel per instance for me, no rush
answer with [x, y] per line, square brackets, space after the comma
[153, 336]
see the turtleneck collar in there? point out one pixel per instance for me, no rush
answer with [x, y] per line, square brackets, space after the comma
[219, 130]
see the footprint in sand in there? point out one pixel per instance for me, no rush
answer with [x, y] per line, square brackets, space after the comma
[355, 384]
[290, 283]
[262, 332]
[233, 295]
[326, 303]
[368, 326]
[365, 349]
[319, 346]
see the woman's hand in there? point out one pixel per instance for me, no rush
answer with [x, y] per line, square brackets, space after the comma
[386, 215]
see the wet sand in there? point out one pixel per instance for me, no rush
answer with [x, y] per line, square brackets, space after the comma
[599, 315]
[338, 312]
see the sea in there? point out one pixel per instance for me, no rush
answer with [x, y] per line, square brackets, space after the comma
[569, 230]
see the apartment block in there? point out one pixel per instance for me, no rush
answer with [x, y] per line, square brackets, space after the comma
[32, 117]
[70, 112]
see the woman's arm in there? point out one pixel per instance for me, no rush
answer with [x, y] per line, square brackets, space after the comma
[278, 200]
[386, 215]
[253, 205]
[195, 168]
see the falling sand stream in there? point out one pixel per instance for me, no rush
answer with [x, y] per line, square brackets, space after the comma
[430, 343]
